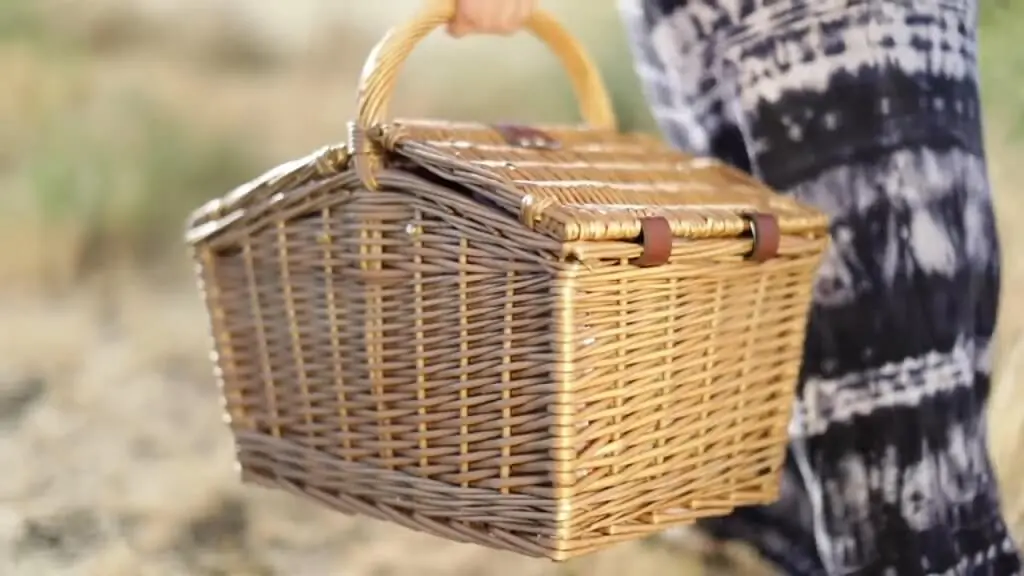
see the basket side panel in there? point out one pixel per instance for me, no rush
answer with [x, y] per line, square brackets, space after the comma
[404, 356]
[685, 386]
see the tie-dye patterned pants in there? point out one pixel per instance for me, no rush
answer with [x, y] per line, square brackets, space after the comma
[868, 109]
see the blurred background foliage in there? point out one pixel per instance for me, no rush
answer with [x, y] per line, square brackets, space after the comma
[118, 117]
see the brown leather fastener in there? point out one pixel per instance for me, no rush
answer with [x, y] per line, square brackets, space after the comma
[656, 237]
[526, 137]
[765, 230]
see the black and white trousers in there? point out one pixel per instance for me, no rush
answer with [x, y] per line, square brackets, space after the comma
[869, 110]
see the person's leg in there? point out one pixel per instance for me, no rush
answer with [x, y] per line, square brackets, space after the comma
[870, 111]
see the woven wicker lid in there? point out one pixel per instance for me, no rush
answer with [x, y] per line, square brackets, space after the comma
[577, 183]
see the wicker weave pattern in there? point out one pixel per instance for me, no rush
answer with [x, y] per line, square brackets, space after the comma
[438, 328]
[507, 393]
[599, 190]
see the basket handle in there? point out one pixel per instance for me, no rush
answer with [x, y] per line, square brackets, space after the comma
[380, 73]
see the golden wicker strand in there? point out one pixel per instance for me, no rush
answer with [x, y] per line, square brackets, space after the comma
[269, 387]
[709, 383]
[622, 305]
[667, 376]
[370, 248]
[416, 230]
[751, 342]
[463, 363]
[293, 329]
[335, 315]
[226, 367]
[506, 380]
[564, 371]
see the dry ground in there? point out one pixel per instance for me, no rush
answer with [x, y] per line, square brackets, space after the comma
[116, 117]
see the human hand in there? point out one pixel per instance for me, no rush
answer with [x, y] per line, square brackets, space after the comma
[501, 17]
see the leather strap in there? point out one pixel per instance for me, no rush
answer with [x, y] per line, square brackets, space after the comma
[765, 230]
[656, 237]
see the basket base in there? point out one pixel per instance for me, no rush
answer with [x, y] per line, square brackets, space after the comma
[466, 515]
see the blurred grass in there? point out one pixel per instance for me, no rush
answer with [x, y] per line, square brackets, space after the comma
[130, 190]
[118, 186]
[19, 21]
[1002, 65]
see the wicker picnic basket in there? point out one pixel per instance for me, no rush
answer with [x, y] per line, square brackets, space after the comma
[544, 339]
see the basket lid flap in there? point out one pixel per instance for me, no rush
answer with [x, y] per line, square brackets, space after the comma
[576, 183]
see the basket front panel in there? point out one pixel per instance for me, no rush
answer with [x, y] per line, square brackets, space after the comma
[685, 377]
[451, 328]
[395, 358]
[272, 352]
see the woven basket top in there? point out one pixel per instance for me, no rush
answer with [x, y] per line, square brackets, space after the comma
[572, 183]
[578, 183]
